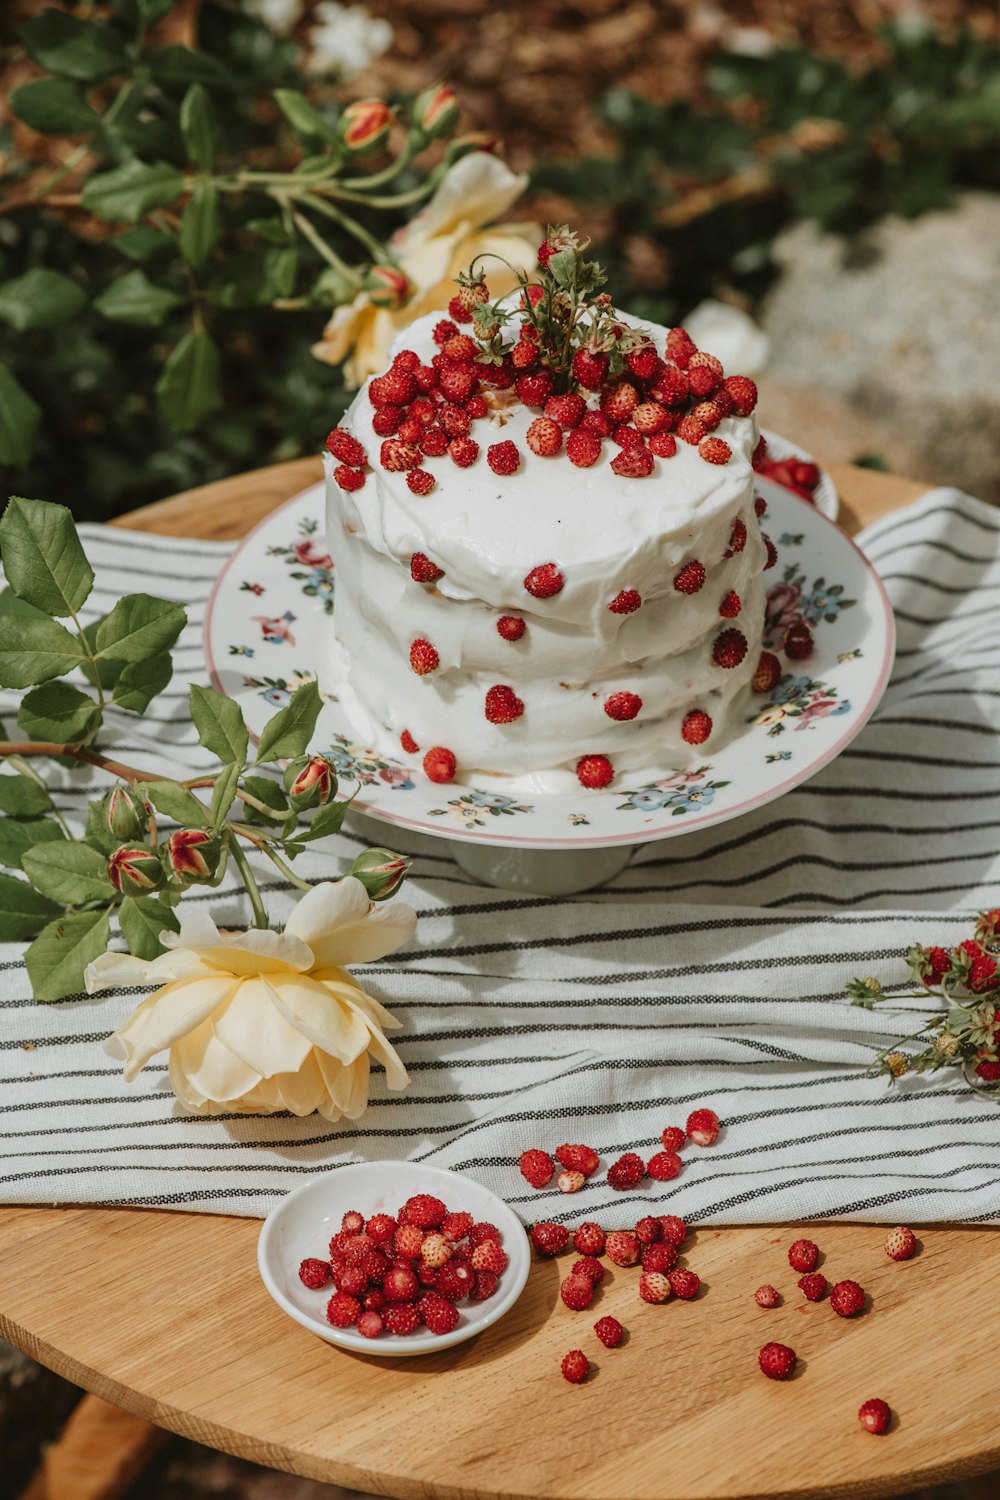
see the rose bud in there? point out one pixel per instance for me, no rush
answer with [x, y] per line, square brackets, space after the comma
[435, 111]
[309, 781]
[381, 872]
[123, 813]
[473, 140]
[134, 870]
[387, 287]
[364, 125]
[193, 854]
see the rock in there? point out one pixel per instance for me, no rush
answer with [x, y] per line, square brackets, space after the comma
[900, 325]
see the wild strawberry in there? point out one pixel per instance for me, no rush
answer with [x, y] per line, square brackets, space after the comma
[766, 1296]
[374, 1299]
[622, 1247]
[813, 1287]
[619, 401]
[680, 347]
[544, 581]
[459, 346]
[626, 1171]
[435, 1249]
[409, 430]
[485, 1286]
[342, 1310]
[422, 570]
[798, 642]
[650, 417]
[709, 414]
[456, 1226]
[524, 355]
[458, 382]
[426, 378]
[397, 385]
[777, 1361]
[690, 578]
[535, 388]
[422, 411]
[510, 627]
[714, 451]
[589, 1266]
[664, 1166]
[626, 602]
[803, 1255]
[654, 1287]
[358, 1248]
[595, 771]
[567, 410]
[439, 764]
[660, 1257]
[484, 1231]
[627, 436]
[570, 1182]
[577, 1292]
[730, 606]
[424, 1210]
[583, 447]
[548, 1238]
[772, 552]
[684, 1284]
[314, 1273]
[544, 437]
[589, 1239]
[503, 458]
[347, 448]
[381, 1227]
[704, 374]
[690, 430]
[900, 1243]
[768, 673]
[622, 706]
[875, 1415]
[648, 1230]
[729, 648]
[397, 456]
[423, 658]
[463, 451]
[695, 730]
[609, 1331]
[401, 1318]
[669, 387]
[742, 392]
[433, 442]
[590, 369]
[597, 423]
[400, 1285]
[475, 408]
[536, 1167]
[737, 538]
[575, 1367]
[440, 1316]
[578, 1159]
[454, 420]
[489, 1257]
[663, 444]
[703, 1124]
[339, 1244]
[456, 1279]
[370, 1324]
[674, 1229]
[427, 1275]
[806, 475]
[503, 705]
[847, 1299]
[634, 462]
[458, 311]
[348, 479]
[420, 481]
[759, 506]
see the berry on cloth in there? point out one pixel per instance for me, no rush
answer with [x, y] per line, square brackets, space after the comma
[673, 1137]
[570, 1182]
[674, 1229]
[626, 1171]
[549, 1238]
[703, 1124]
[589, 1239]
[536, 1167]
[664, 1166]
[578, 1159]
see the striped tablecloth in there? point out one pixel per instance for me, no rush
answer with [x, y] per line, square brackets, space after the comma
[711, 971]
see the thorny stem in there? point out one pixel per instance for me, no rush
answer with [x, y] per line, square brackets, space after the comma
[243, 865]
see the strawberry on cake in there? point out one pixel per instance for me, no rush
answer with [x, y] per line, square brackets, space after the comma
[547, 551]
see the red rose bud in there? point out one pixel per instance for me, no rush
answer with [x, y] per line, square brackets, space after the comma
[364, 125]
[435, 111]
[387, 287]
[123, 813]
[309, 782]
[381, 872]
[193, 854]
[134, 870]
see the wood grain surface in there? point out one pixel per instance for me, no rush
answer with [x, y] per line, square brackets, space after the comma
[164, 1315]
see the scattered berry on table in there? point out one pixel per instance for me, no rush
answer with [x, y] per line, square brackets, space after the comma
[777, 1361]
[847, 1299]
[660, 1257]
[549, 1238]
[674, 1229]
[803, 1255]
[575, 1367]
[654, 1287]
[875, 1415]
[589, 1239]
[813, 1286]
[537, 1167]
[622, 1247]
[588, 1265]
[609, 1331]
[648, 1230]
[684, 1284]
[314, 1273]
[766, 1296]
[703, 1124]
[577, 1292]
[900, 1243]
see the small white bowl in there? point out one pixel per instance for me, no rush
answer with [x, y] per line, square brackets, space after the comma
[304, 1222]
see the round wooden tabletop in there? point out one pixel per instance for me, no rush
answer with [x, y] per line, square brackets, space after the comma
[164, 1314]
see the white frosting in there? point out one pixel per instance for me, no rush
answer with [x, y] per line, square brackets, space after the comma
[605, 533]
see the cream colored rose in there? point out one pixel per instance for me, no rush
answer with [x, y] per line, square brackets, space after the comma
[261, 1021]
[439, 242]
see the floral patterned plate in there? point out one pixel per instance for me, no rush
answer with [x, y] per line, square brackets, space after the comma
[268, 627]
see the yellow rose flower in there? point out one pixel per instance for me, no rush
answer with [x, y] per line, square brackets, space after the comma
[261, 1021]
[447, 234]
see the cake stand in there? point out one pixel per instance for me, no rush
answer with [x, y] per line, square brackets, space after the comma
[268, 627]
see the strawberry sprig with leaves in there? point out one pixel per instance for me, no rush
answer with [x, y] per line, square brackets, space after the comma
[125, 864]
[966, 1033]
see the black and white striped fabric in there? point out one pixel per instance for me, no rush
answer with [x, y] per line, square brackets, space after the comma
[712, 971]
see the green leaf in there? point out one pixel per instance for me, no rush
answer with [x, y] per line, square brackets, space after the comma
[143, 243]
[22, 796]
[44, 559]
[33, 651]
[64, 44]
[175, 801]
[54, 106]
[126, 193]
[327, 821]
[270, 793]
[139, 682]
[59, 712]
[11, 605]
[289, 731]
[199, 126]
[17, 835]
[19, 418]
[303, 116]
[201, 225]
[71, 873]
[225, 791]
[219, 722]
[137, 628]
[40, 299]
[142, 919]
[188, 389]
[57, 960]
[141, 13]
[134, 299]
[97, 833]
[23, 912]
[174, 68]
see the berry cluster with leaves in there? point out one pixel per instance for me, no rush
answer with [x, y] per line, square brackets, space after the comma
[966, 1032]
[124, 864]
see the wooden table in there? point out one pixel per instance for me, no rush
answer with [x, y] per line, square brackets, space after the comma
[164, 1315]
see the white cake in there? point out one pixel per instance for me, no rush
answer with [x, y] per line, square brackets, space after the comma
[588, 651]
